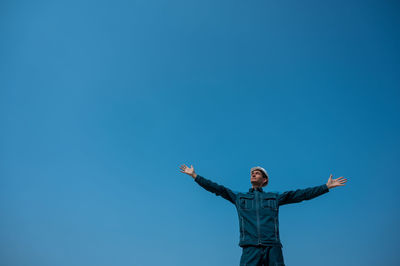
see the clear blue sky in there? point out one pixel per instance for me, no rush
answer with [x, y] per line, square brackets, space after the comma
[101, 101]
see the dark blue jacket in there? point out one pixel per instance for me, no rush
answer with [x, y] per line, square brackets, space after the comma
[258, 210]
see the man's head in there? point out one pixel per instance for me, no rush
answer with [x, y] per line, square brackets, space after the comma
[258, 177]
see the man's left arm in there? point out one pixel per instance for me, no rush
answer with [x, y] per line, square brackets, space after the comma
[299, 195]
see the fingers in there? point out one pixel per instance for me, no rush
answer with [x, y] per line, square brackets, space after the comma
[183, 167]
[341, 182]
[339, 179]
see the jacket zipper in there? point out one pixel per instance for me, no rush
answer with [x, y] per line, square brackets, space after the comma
[241, 219]
[276, 231]
[258, 218]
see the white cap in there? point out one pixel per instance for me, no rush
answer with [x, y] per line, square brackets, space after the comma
[259, 168]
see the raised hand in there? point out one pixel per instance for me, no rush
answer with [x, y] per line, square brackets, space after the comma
[341, 181]
[188, 171]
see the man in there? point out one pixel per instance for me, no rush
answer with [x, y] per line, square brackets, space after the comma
[258, 213]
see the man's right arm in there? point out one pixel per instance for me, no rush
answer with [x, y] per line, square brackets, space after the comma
[218, 190]
[215, 188]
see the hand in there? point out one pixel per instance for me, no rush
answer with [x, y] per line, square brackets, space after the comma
[188, 171]
[336, 182]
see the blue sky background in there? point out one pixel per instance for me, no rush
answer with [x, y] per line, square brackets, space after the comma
[101, 101]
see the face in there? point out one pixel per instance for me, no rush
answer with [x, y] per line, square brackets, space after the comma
[257, 179]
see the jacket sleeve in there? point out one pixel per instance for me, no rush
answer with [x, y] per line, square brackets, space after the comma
[218, 190]
[299, 195]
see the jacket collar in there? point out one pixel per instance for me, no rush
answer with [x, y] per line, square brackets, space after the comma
[258, 189]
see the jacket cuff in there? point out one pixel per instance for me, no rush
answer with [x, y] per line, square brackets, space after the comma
[197, 179]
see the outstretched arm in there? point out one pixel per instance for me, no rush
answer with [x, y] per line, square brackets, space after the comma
[299, 195]
[215, 188]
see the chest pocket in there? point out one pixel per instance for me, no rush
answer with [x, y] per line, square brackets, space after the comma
[269, 202]
[246, 202]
